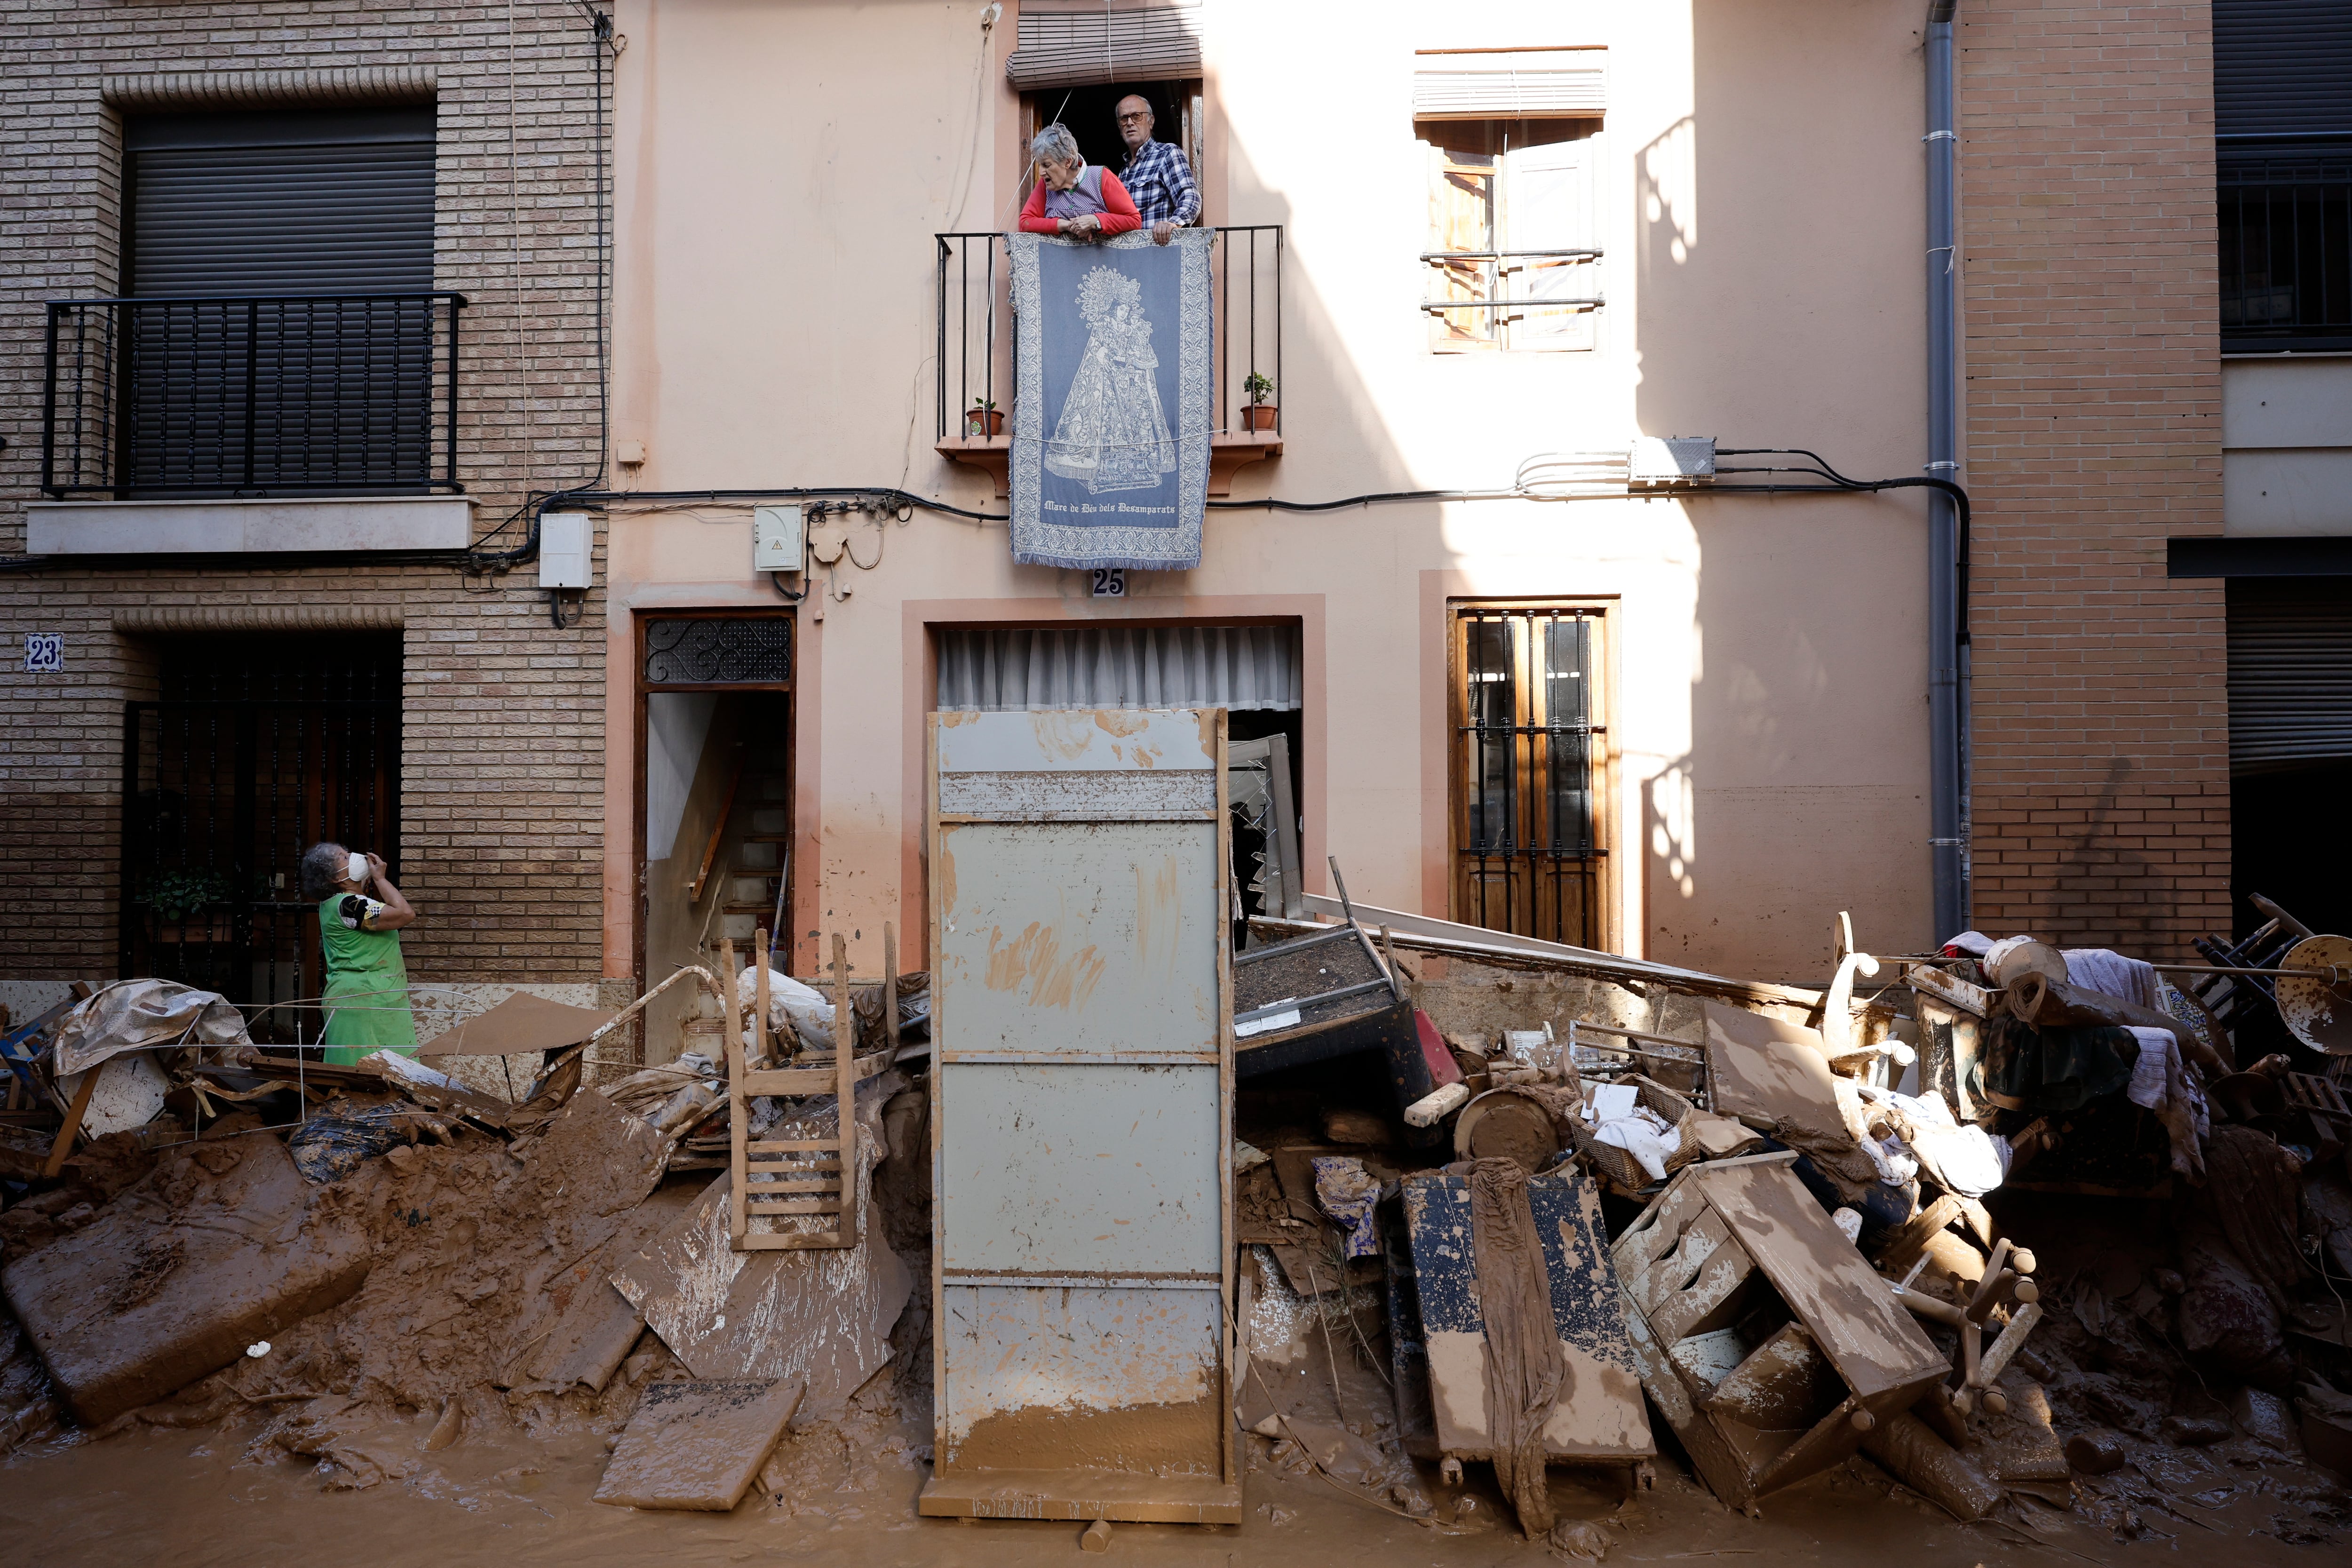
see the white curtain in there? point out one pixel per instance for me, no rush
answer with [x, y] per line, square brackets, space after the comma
[1016, 669]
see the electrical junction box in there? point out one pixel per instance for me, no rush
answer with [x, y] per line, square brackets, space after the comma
[776, 539]
[566, 539]
[1671, 460]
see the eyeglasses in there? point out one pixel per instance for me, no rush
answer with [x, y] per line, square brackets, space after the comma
[1141, 114]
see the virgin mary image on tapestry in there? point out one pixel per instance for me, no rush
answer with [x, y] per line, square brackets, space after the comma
[1110, 435]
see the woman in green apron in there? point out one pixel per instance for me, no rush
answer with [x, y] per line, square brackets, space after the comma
[360, 917]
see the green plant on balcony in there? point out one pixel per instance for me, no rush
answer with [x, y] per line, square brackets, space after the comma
[982, 419]
[1261, 414]
[174, 895]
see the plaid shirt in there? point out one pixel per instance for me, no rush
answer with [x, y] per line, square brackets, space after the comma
[1161, 184]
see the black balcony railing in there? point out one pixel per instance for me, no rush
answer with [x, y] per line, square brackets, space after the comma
[257, 395]
[2286, 249]
[975, 347]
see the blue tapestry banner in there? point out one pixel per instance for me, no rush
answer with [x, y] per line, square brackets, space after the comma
[1110, 430]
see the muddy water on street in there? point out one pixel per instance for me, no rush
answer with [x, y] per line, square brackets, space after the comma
[188, 1498]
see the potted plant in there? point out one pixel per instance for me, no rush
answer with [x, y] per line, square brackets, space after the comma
[1260, 415]
[177, 901]
[982, 419]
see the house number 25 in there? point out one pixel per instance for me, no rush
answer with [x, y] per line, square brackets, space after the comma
[1111, 582]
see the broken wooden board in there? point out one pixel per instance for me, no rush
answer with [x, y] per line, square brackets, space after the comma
[1770, 1075]
[584, 1328]
[697, 1445]
[1600, 1415]
[151, 1296]
[821, 1316]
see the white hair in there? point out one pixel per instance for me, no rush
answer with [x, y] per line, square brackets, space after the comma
[1055, 144]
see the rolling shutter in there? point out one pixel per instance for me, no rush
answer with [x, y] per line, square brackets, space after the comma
[298, 202]
[1511, 84]
[1083, 43]
[2282, 67]
[2289, 675]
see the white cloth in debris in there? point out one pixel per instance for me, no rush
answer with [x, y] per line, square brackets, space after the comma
[2162, 1082]
[791, 1006]
[2110, 973]
[136, 1014]
[1975, 943]
[1963, 1160]
[1620, 1122]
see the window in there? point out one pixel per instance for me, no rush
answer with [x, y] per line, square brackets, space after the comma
[2282, 115]
[1528, 769]
[1510, 228]
[1090, 113]
[1512, 258]
[280, 331]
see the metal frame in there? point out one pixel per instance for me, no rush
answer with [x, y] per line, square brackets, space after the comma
[1529, 781]
[100, 455]
[953, 358]
[964, 1490]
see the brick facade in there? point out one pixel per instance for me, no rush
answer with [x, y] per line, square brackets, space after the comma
[2094, 407]
[502, 801]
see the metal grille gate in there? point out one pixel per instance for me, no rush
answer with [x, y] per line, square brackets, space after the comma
[1528, 856]
[257, 749]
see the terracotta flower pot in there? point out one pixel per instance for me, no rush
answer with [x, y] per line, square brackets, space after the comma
[984, 422]
[1259, 417]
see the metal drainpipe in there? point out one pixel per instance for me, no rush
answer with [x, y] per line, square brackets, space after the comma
[1947, 652]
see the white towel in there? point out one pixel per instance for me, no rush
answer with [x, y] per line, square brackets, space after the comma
[1643, 1134]
[2110, 973]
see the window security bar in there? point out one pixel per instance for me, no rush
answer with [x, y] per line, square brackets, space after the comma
[1508, 304]
[1508, 255]
[282, 394]
[975, 331]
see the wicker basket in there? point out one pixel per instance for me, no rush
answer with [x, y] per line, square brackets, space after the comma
[1620, 1168]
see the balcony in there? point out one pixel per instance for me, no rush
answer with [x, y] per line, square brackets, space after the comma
[975, 352]
[308, 396]
[2285, 243]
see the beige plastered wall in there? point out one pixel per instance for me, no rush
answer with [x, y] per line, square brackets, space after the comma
[781, 172]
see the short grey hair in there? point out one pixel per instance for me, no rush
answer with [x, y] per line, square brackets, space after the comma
[1055, 144]
[322, 868]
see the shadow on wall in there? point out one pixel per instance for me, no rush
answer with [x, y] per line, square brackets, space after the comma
[1755, 321]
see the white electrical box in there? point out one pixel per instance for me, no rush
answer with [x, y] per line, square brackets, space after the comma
[776, 539]
[566, 539]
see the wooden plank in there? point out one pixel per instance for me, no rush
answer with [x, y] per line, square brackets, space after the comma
[793, 1206]
[845, 1064]
[74, 1113]
[1711, 1296]
[788, 1145]
[1969, 998]
[1851, 1313]
[1832, 1440]
[1781, 1386]
[739, 1109]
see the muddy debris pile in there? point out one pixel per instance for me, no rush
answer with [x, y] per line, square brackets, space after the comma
[2009, 1231]
[357, 1267]
[1524, 1238]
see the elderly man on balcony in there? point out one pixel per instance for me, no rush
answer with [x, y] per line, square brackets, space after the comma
[1073, 198]
[1156, 173]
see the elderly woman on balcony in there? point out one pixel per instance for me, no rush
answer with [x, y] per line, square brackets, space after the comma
[1073, 198]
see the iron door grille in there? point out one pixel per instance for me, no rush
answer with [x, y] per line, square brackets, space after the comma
[718, 651]
[256, 749]
[1528, 765]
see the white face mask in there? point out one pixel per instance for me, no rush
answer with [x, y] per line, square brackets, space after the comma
[357, 871]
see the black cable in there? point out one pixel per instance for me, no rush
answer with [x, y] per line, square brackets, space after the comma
[1269, 503]
[895, 496]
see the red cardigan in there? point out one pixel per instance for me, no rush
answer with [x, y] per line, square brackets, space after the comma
[1118, 215]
